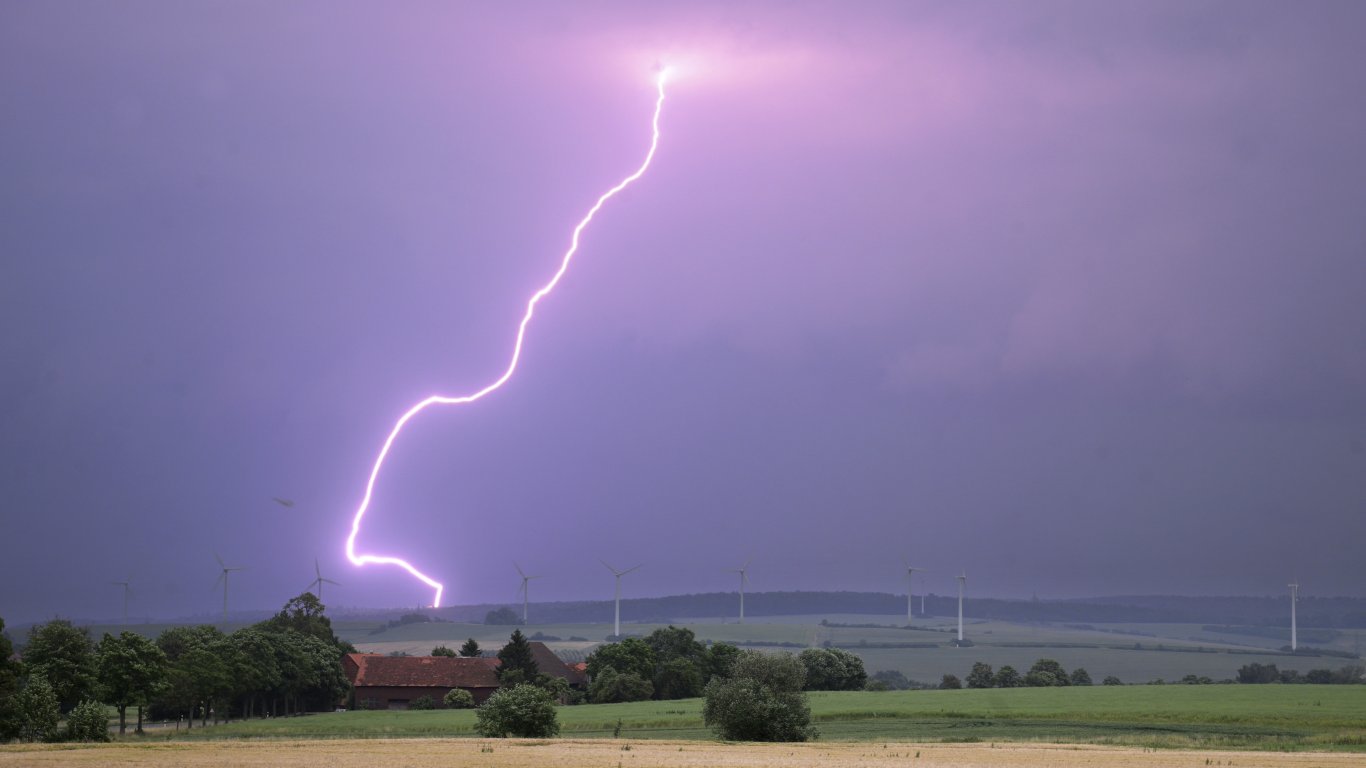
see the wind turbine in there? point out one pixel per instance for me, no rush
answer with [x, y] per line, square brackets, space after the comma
[961, 579]
[320, 581]
[223, 577]
[526, 593]
[1294, 596]
[123, 584]
[616, 627]
[910, 571]
[743, 581]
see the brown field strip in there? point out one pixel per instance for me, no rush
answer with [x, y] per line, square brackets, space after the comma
[602, 753]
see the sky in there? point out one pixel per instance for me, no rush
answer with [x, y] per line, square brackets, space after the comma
[1063, 295]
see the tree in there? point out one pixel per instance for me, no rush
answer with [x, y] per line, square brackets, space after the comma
[1046, 673]
[762, 700]
[442, 650]
[950, 682]
[9, 688]
[981, 676]
[524, 711]
[515, 657]
[470, 649]
[631, 655]
[258, 670]
[38, 710]
[832, 669]
[1258, 673]
[87, 722]
[1111, 680]
[893, 679]
[720, 658]
[613, 687]
[458, 698]
[131, 670]
[678, 679]
[1007, 677]
[1080, 676]
[62, 653]
[503, 616]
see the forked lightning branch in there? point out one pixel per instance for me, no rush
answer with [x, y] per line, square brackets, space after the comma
[360, 559]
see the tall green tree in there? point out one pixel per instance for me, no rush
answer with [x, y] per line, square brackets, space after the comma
[515, 661]
[39, 711]
[1046, 673]
[833, 669]
[442, 650]
[470, 649]
[630, 656]
[131, 670]
[65, 657]
[9, 688]
[981, 676]
[1008, 677]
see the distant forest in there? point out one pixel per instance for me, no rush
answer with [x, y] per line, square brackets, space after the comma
[1332, 612]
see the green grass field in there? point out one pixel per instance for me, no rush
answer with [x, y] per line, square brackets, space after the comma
[1242, 717]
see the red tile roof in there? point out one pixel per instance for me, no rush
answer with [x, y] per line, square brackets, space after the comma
[375, 670]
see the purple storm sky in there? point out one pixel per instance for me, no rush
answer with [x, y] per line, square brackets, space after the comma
[1068, 295]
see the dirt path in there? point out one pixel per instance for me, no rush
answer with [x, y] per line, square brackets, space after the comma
[601, 753]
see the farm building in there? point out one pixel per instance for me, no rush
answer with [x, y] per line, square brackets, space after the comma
[394, 682]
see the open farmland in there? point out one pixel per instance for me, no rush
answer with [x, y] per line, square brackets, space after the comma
[419, 753]
[1135, 653]
[1225, 717]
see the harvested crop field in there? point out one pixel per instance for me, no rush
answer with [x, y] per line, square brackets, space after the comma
[597, 753]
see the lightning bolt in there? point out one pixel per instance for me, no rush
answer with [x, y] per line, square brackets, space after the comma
[369, 559]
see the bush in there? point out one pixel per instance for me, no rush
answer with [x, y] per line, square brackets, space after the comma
[1007, 677]
[1080, 676]
[422, 702]
[1047, 673]
[981, 676]
[950, 682]
[459, 698]
[524, 711]
[762, 700]
[87, 721]
[893, 679]
[1112, 680]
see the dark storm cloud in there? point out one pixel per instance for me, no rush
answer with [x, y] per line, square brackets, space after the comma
[1065, 294]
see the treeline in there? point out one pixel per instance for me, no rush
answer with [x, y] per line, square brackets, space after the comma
[286, 664]
[1261, 674]
[1336, 612]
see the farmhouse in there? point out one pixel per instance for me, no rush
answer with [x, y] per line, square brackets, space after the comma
[394, 682]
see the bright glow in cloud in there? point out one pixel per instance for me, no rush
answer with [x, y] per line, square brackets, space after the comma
[370, 559]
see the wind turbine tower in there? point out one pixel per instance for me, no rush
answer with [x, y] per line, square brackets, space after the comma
[526, 593]
[616, 623]
[123, 584]
[743, 581]
[909, 600]
[223, 577]
[320, 581]
[961, 579]
[1294, 596]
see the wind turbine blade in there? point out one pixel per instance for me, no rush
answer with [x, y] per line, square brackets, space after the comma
[628, 570]
[219, 580]
[329, 581]
[608, 567]
[219, 559]
[317, 571]
[519, 569]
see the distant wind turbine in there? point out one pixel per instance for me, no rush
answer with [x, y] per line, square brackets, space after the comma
[910, 571]
[126, 590]
[961, 580]
[616, 624]
[526, 592]
[743, 581]
[223, 577]
[319, 581]
[1294, 597]
[287, 503]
